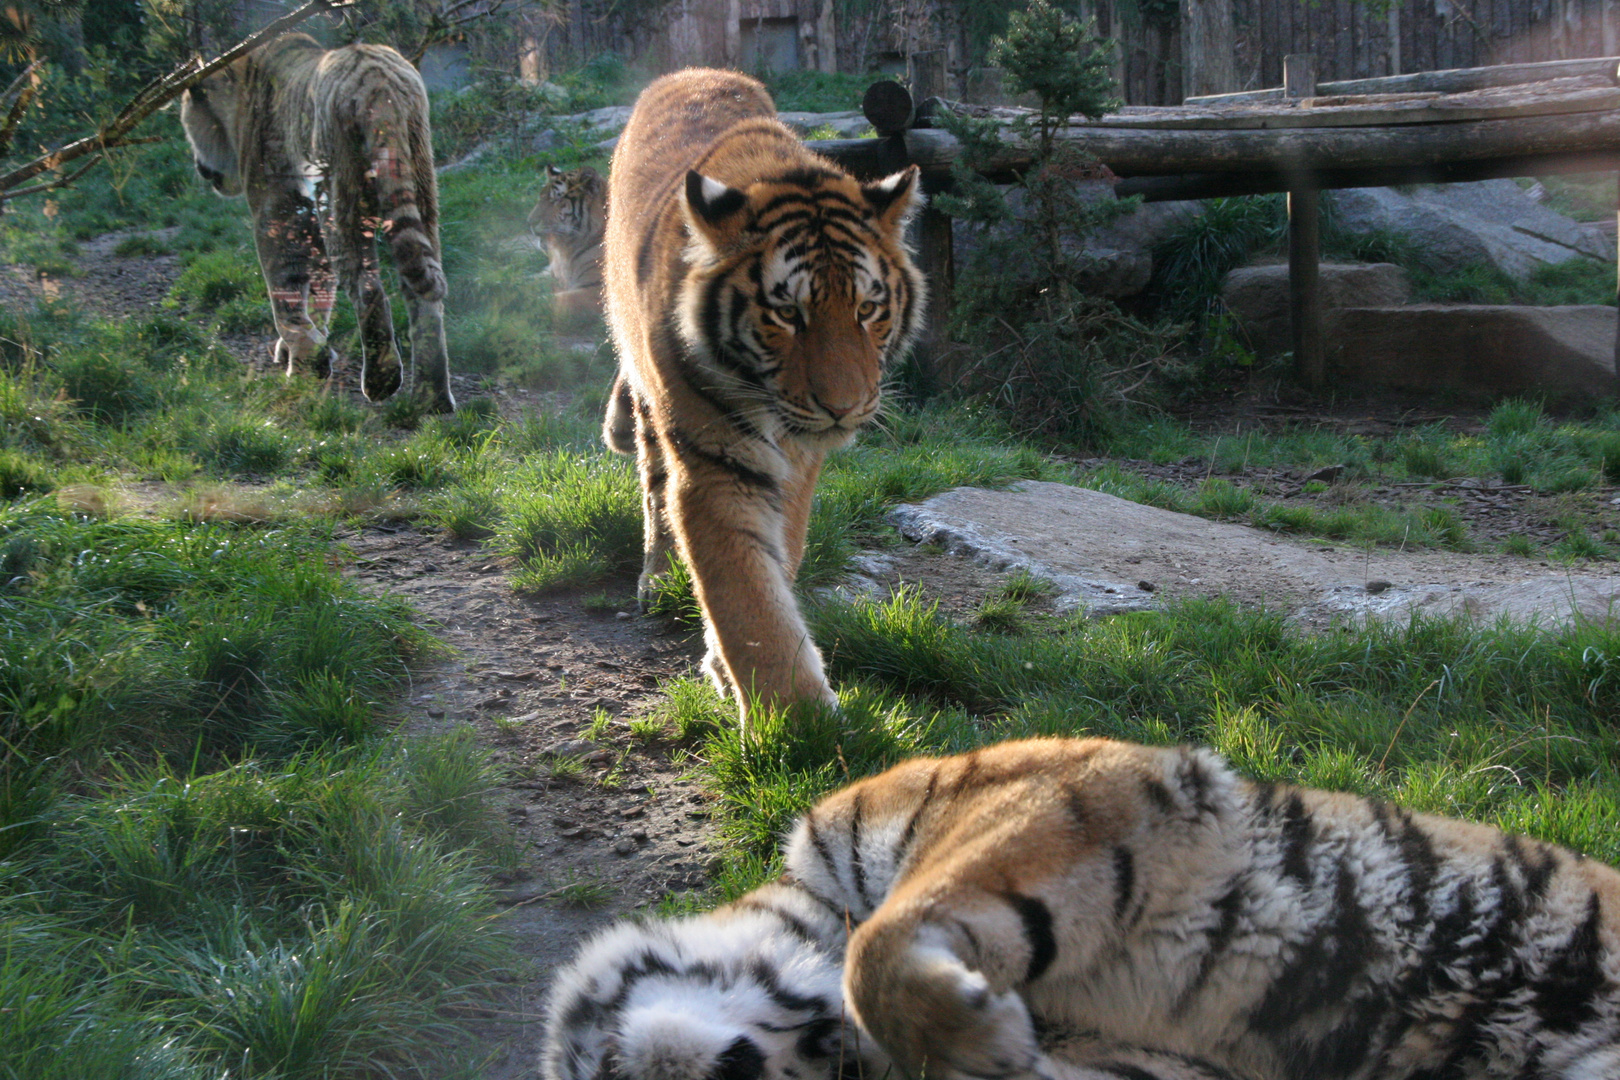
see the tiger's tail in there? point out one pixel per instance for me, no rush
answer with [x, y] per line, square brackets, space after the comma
[400, 157]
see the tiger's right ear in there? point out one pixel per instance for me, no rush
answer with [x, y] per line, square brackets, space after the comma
[713, 209]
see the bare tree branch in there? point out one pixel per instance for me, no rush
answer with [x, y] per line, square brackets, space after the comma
[152, 97]
[25, 86]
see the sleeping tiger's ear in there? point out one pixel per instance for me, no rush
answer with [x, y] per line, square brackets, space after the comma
[896, 198]
[714, 210]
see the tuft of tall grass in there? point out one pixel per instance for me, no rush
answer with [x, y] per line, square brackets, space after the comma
[570, 519]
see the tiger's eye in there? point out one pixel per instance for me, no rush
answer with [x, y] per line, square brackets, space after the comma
[790, 313]
[867, 309]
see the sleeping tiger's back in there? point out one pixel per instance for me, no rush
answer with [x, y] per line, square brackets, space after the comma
[1153, 896]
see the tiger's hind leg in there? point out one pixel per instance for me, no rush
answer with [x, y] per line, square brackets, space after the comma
[352, 220]
[413, 232]
[630, 420]
[298, 276]
[920, 991]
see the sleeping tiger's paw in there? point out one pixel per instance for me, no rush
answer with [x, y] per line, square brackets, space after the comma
[970, 1030]
[1001, 1044]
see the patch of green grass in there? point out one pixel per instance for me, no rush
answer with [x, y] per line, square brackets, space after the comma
[249, 873]
[803, 90]
[1024, 585]
[141, 244]
[1220, 499]
[570, 519]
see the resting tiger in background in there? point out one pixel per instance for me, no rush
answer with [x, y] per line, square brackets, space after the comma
[1068, 909]
[571, 217]
[755, 292]
[332, 148]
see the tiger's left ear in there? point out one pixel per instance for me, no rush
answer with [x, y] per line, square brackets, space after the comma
[896, 198]
[713, 210]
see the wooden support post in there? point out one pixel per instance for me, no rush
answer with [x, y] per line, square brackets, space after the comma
[1305, 285]
[1617, 325]
[936, 260]
[1304, 246]
[926, 73]
[1299, 75]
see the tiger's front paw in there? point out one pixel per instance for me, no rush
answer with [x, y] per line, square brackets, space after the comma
[940, 1018]
[998, 1042]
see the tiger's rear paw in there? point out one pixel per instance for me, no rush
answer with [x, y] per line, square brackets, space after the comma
[381, 376]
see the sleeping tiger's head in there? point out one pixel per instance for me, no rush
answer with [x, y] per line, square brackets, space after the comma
[573, 204]
[800, 289]
[737, 994]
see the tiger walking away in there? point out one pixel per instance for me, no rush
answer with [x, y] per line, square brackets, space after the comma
[332, 149]
[1068, 909]
[570, 218]
[755, 293]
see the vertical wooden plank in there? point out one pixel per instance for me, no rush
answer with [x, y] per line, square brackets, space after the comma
[1364, 53]
[1611, 27]
[1617, 327]
[1208, 48]
[1299, 75]
[1428, 53]
[1451, 30]
[1266, 18]
[1344, 39]
[1392, 40]
[926, 73]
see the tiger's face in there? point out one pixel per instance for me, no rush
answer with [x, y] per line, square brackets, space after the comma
[800, 290]
[709, 998]
[207, 112]
[571, 204]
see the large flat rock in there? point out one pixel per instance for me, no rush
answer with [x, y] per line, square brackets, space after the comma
[1100, 550]
[1477, 350]
[1257, 296]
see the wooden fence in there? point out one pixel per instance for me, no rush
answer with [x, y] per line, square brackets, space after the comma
[1354, 39]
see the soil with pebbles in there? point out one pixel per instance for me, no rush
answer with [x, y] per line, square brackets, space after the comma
[620, 823]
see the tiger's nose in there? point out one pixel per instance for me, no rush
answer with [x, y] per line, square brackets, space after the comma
[835, 411]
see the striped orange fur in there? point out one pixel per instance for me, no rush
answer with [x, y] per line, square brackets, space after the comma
[1059, 909]
[755, 293]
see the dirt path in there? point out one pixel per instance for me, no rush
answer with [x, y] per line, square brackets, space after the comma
[531, 676]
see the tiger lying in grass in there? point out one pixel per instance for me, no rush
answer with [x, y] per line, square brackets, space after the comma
[1089, 909]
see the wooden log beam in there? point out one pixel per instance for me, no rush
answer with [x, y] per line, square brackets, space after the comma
[867, 159]
[1299, 151]
[1268, 181]
[1453, 81]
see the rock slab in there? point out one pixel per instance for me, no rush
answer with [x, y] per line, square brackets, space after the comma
[1098, 549]
[1257, 296]
[1477, 350]
[1452, 226]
